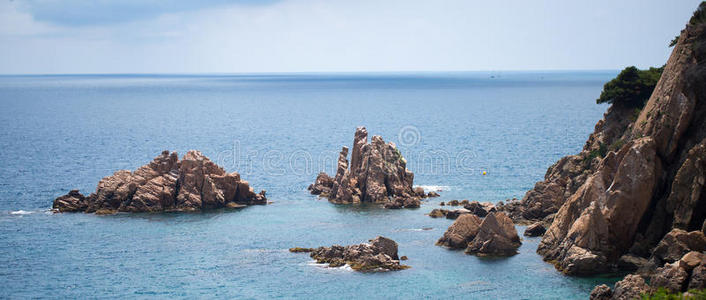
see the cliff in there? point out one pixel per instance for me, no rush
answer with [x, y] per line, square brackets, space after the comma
[638, 177]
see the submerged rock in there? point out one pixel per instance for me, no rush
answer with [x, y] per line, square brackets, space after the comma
[165, 184]
[380, 254]
[377, 173]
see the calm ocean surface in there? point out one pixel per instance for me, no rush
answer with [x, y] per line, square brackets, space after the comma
[278, 131]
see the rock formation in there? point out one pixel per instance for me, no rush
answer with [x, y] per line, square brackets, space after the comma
[380, 254]
[377, 173]
[536, 229]
[165, 184]
[493, 236]
[461, 232]
[496, 237]
[640, 175]
[688, 273]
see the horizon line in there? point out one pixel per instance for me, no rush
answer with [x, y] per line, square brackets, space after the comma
[314, 72]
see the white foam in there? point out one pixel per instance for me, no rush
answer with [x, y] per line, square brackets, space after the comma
[435, 188]
[345, 267]
[21, 212]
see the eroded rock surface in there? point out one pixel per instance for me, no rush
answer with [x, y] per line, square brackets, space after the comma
[633, 198]
[165, 184]
[377, 173]
[461, 232]
[496, 237]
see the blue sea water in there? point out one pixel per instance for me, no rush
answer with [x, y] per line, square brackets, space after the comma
[279, 130]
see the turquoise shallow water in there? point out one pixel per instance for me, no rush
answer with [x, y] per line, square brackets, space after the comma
[278, 131]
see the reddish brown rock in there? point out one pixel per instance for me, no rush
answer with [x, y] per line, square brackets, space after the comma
[496, 237]
[322, 185]
[377, 173]
[536, 229]
[631, 287]
[599, 221]
[380, 254]
[601, 292]
[677, 243]
[670, 277]
[166, 184]
[71, 202]
[461, 232]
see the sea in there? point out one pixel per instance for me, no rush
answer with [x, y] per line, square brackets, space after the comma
[485, 136]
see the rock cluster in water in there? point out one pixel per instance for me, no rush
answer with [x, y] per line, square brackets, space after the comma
[380, 254]
[634, 199]
[495, 235]
[377, 173]
[165, 184]
[480, 209]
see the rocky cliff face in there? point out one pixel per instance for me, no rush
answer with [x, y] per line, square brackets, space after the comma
[638, 176]
[377, 173]
[165, 184]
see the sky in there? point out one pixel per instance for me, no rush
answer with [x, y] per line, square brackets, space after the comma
[251, 36]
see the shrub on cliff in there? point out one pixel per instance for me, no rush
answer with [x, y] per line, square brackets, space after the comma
[631, 88]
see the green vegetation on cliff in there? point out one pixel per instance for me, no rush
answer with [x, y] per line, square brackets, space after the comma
[631, 88]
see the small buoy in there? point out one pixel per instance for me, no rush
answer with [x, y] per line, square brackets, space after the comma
[483, 172]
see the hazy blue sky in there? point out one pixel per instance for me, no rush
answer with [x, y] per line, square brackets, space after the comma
[233, 36]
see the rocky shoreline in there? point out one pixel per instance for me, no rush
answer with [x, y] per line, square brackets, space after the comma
[377, 173]
[165, 184]
[633, 200]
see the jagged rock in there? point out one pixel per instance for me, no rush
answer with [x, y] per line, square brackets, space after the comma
[71, 202]
[461, 232]
[385, 246]
[536, 229]
[322, 185]
[433, 194]
[691, 260]
[600, 220]
[601, 292]
[165, 184]
[674, 118]
[698, 277]
[676, 243]
[419, 192]
[629, 262]
[377, 173]
[442, 204]
[479, 209]
[380, 254]
[670, 277]
[634, 181]
[631, 287]
[453, 203]
[496, 237]
[685, 196]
